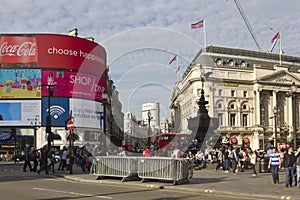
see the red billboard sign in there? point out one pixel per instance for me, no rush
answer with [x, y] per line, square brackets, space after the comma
[73, 84]
[18, 49]
[61, 51]
[52, 51]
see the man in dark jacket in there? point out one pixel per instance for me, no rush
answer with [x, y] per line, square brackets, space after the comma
[289, 162]
[44, 160]
[27, 157]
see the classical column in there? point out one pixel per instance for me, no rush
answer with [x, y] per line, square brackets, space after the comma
[275, 116]
[274, 98]
[257, 108]
[290, 111]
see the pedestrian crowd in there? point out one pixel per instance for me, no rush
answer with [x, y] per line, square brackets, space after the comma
[51, 159]
[227, 158]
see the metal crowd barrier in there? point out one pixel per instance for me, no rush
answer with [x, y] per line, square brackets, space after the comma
[115, 166]
[177, 170]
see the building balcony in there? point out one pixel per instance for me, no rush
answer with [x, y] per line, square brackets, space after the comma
[236, 128]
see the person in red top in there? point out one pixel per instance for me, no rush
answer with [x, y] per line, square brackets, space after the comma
[147, 152]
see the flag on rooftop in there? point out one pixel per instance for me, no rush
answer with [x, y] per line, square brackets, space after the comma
[178, 69]
[199, 24]
[275, 37]
[173, 59]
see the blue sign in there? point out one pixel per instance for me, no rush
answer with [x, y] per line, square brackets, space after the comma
[59, 110]
[5, 136]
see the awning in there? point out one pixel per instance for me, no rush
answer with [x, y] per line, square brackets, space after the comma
[5, 136]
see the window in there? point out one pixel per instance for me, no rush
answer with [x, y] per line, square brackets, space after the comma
[220, 116]
[220, 91]
[245, 119]
[232, 106]
[233, 93]
[232, 119]
[219, 105]
[245, 107]
[245, 94]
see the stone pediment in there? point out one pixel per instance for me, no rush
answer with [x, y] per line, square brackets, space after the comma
[280, 77]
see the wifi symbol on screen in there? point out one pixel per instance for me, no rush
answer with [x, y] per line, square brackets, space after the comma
[56, 111]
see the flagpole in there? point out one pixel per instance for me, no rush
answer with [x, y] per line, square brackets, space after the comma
[204, 34]
[177, 61]
[280, 51]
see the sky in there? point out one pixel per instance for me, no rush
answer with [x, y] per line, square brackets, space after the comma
[141, 37]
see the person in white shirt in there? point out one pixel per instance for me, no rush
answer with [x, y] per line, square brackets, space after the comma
[253, 158]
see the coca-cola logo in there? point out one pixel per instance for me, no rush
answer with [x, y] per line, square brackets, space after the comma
[23, 49]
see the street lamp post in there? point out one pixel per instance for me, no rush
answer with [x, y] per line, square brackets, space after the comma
[36, 125]
[105, 98]
[275, 125]
[294, 111]
[103, 119]
[149, 130]
[48, 118]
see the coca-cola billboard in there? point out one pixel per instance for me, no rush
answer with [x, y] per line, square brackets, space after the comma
[52, 51]
[18, 49]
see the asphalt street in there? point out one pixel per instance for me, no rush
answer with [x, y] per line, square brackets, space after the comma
[206, 184]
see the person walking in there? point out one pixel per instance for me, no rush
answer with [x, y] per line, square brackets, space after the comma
[297, 155]
[44, 160]
[234, 157]
[226, 160]
[52, 159]
[27, 158]
[34, 157]
[63, 159]
[289, 161]
[274, 164]
[219, 160]
[253, 158]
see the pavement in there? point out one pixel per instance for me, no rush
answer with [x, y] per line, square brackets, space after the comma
[210, 181]
[206, 181]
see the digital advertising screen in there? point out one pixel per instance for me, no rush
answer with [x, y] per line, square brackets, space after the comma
[20, 113]
[86, 113]
[65, 52]
[73, 84]
[20, 83]
[59, 111]
[52, 51]
[18, 49]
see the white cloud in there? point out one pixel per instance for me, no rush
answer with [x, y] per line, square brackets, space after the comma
[124, 26]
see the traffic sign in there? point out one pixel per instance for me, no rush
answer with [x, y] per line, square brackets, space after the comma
[70, 125]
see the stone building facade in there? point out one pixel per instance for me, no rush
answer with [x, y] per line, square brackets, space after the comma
[248, 91]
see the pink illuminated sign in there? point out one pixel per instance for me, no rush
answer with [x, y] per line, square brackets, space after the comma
[73, 84]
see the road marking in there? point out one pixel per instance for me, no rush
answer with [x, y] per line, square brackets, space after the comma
[72, 193]
[285, 197]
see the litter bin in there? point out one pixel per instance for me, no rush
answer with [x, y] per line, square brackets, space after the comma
[263, 165]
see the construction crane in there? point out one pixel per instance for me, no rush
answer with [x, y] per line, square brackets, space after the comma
[247, 24]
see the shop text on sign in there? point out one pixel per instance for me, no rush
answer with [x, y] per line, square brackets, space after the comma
[70, 52]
